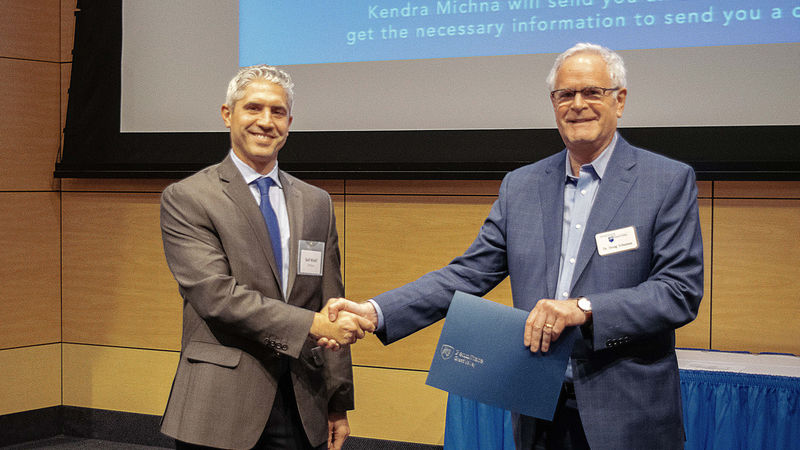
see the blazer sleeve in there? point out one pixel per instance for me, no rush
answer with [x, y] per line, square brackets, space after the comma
[670, 296]
[199, 262]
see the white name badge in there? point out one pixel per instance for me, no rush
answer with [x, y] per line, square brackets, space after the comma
[310, 257]
[616, 241]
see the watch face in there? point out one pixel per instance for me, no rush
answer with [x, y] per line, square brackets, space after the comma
[585, 304]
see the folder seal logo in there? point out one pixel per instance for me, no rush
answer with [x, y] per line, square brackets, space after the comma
[447, 351]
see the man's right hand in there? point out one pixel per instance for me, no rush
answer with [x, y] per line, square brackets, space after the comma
[364, 309]
[345, 328]
[339, 308]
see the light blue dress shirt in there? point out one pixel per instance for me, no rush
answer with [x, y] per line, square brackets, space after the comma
[278, 203]
[579, 194]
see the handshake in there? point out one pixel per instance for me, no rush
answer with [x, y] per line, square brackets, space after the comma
[343, 322]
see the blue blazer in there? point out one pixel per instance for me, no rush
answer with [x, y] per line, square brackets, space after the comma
[625, 368]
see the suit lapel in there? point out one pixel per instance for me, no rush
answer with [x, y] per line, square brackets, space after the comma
[239, 192]
[614, 188]
[294, 208]
[552, 189]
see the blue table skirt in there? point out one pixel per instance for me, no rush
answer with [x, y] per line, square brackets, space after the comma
[721, 410]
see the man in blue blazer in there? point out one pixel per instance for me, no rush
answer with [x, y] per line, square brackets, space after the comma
[602, 236]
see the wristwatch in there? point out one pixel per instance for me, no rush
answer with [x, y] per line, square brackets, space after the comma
[585, 305]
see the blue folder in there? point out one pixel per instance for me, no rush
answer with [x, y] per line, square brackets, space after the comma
[481, 356]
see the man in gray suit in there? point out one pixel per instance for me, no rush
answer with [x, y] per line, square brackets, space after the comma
[255, 253]
[602, 236]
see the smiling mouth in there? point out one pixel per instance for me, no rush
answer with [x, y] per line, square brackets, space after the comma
[262, 137]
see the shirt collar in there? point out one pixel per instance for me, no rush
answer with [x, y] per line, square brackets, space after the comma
[249, 174]
[599, 164]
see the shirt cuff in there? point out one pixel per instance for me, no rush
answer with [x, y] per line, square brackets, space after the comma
[380, 326]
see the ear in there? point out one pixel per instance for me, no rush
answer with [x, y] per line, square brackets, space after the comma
[226, 115]
[621, 95]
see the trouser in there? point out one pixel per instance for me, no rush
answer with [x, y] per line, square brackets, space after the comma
[565, 432]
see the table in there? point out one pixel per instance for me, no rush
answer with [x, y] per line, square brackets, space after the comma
[730, 401]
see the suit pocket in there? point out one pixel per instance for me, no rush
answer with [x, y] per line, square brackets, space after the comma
[313, 357]
[213, 353]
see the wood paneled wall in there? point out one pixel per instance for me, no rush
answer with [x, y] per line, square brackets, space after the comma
[119, 297]
[756, 267]
[88, 303]
[33, 55]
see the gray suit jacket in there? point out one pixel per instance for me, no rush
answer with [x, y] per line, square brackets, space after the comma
[625, 368]
[239, 333]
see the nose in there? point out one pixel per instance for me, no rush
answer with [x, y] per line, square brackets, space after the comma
[265, 119]
[578, 101]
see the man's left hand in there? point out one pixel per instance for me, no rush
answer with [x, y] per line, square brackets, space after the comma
[547, 321]
[338, 430]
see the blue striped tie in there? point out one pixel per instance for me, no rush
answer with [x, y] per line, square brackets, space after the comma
[264, 184]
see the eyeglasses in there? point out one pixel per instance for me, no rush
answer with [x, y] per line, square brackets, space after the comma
[592, 94]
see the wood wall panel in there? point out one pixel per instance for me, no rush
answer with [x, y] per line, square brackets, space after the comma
[426, 187]
[30, 29]
[65, 71]
[30, 272]
[115, 185]
[118, 379]
[31, 378]
[29, 131]
[392, 240]
[704, 189]
[332, 186]
[756, 283]
[338, 210]
[67, 29]
[117, 287]
[397, 405]
[697, 334]
[757, 189]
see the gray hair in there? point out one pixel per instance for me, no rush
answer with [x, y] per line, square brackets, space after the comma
[247, 75]
[616, 68]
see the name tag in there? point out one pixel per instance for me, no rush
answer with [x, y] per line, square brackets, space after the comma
[616, 241]
[310, 257]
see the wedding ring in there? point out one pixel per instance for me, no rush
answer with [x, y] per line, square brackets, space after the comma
[548, 325]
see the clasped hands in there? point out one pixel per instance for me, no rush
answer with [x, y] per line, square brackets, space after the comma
[343, 322]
